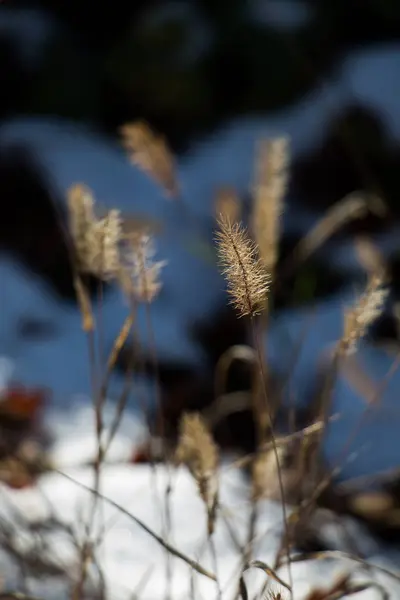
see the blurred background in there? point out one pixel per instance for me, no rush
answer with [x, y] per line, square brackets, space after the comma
[213, 77]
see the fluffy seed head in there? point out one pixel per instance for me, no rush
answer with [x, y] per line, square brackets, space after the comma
[248, 282]
[198, 451]
[270, 187]
[150, 152]
[142, 272]
[365, 311]
[81, 216]
[103, 237]
[96, 241]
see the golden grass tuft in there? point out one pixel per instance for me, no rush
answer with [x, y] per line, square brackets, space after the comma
[112, 248]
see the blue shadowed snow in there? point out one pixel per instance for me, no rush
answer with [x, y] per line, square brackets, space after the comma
[59, 359]
[313, 331]
[342, 255]
[371, 78]
[72, 153]
[376, 443]
[192, 287]
[372, 436]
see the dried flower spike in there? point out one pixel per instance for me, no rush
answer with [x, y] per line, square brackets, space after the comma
[358, 318]
[150, 152]
[140, 275]
[248, 281]
[198, 451]
[270, 187]
[96, 241]
[276, 594]
[264, 474]
[81, 216]
[104, 236]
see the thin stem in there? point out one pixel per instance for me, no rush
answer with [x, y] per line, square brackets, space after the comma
[258, 348]
[174, 551]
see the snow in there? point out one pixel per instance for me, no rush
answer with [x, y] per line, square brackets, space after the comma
[192, 288]
[127, 553]
[72, 430]
[366, 434]
[57, 361]
[369, 427]
[73, 153]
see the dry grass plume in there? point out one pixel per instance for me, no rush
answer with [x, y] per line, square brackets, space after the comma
[269, 191]
[198, 451]
[363, 313]
[140, 276]
[96, 241]
[248, 282]
[150, 153]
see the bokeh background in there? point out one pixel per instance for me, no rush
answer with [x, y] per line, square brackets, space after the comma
[213, 77]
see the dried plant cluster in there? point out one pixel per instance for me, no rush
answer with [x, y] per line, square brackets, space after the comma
[249, 267]
[107, 248]
[102, 249]
[96, 240]
[144, 271]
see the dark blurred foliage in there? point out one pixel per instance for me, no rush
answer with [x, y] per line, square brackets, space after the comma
[187, 71]
[116, 62]
[355, 155]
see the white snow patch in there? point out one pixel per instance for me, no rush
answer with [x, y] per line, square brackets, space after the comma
[128, 553]
[58, 361]
[364, 440]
